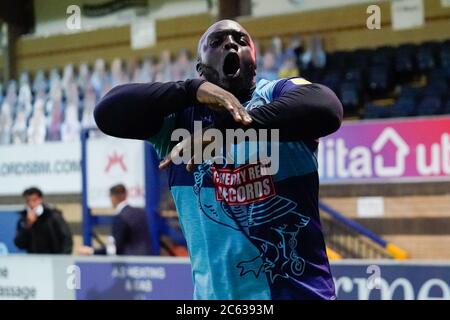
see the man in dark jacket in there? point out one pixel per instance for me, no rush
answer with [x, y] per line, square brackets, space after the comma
[42, 229]
[129, 228]
[130, 231]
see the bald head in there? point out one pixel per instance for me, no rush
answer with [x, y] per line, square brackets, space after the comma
[221, 25]
[227, 58]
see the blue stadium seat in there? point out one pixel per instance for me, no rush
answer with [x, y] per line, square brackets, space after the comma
[312, 74]
[426, 57]
[359, 59]
[338, 60]
[404, 64]
[356, 75]
[439, 75]
[383, 55]
[409, 92]
[405, 105]
[373, 111]
[350, 97]
[444, 55]
[430, 105]
[436, 89]
[399, 110]
[332, 79]
[446, 107]
[379, 80]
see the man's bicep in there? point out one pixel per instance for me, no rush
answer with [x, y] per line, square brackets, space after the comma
[286, 85]
[301, 110]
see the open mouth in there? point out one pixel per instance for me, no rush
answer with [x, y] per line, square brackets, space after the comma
[231, 65]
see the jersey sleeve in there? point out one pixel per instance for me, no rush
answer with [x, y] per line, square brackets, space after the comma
[270, 90]
[161, 141]
[284, 85]
[265, 89]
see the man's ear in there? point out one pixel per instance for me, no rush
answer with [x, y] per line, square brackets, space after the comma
[199, 67]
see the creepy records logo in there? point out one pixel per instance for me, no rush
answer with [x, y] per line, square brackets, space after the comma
[243, 185]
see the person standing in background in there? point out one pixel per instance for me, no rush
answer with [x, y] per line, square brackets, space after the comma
[42, 229]
[130, 233]
[129, 229]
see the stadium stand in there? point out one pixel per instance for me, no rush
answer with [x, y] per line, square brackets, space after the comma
[56, 107]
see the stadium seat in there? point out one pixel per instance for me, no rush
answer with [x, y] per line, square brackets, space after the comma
[379, 80]
[444, 55]
[403, 108]
[383, 56]
[438, 75]
[429, 105]
[404, 64]
[332, 79]
[373, 111]
[350, 97]
[337, 60]
[408, 91]
[312, 74]
[436, 88]
[426, 57]
[446, 108]
[355, 74]
[358, 59]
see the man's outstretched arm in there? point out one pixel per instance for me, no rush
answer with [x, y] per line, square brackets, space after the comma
[308, 111]
[137, 111]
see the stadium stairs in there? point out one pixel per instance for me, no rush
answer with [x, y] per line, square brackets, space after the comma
[347, 239]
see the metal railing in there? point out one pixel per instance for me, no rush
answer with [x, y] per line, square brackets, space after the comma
[352, 240]
[349, 243]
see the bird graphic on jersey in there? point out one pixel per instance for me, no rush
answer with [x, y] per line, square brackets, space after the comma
[272, 225]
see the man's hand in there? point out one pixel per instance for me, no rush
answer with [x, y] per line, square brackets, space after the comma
[219, 99]
[187, 145]
[31, 218]
[85, 251]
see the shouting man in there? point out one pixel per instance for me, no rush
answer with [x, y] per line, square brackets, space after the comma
[250, 235]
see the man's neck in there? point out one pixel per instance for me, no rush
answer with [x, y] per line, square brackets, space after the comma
[121, 205]
[246, 95]
[242, 92]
